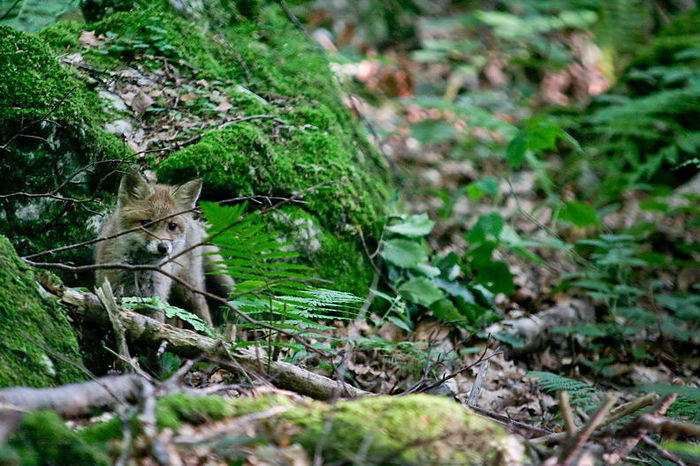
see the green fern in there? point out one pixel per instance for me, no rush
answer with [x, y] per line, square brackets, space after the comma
[171, 312]
[270, 286]
[581, 393]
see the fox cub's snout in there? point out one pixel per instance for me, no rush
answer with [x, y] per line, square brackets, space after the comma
[163, 227]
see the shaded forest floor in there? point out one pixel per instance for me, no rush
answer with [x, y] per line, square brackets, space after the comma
[600, 290]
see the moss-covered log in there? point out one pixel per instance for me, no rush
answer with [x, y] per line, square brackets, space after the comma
[415, 429]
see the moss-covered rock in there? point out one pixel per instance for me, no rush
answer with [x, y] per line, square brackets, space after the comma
[415, 429]
[258, 61]
[52, 148]
[36, 338]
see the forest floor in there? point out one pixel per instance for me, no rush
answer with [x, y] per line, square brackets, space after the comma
[444, 125]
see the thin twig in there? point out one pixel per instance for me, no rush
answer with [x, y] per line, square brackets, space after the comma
[566, 412]
[570, 452]
[104, 292]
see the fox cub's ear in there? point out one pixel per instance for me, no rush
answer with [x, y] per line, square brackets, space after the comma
[133, 187]
[188, 193]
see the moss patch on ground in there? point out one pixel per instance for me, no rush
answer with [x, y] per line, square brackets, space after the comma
[35, 334]
[43, 438]
[416, 429]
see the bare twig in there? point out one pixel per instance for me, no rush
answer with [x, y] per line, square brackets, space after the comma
[614, 415]
[473, 399]
[566, 413]
[665, 454]
[104, 292]
[570, 452]
[635, 429]
[446, 377]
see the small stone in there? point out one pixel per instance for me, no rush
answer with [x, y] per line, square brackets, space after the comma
[120, 127]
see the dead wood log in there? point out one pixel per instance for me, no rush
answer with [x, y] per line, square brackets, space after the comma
[75, 399]
[86, 306]
[536, 330]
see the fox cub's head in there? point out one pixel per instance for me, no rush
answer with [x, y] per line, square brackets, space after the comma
[145, 205]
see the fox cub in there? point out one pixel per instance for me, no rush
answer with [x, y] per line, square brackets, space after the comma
[139, 204]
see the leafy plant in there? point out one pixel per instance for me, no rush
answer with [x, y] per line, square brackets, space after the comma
[423, 283]
[33, 15]
[171, 312]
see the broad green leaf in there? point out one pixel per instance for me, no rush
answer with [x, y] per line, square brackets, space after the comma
[421, 290]
[404, 253]
[496, 277]
[33, 15]
[400, 323]
[488, 226]
[427, 270]
[515, 152]
[446, 311]
[579, 214]
[414, 226]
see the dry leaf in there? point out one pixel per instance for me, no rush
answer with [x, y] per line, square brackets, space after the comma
[141, 102]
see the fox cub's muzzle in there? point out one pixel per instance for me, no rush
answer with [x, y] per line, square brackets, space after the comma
[160, 248]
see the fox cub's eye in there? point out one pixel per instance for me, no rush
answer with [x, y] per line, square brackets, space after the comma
[144, 222]
[172, 226]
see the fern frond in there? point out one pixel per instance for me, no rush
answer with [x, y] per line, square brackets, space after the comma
[581, 393]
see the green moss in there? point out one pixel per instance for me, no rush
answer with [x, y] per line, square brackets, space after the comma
[440, 430]
[265, 66]
[62, 36]
[175, 410]
[35, 335]
[51, 123]
[43, 439]
[388, 426]
[343, 263]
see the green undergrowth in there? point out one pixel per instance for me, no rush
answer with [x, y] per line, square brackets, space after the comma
[37, 342]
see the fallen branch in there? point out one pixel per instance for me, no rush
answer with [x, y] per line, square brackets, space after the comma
[639, 427]
[614, 415]
[569, 452]
[146, 330]
[74, 399]
[536, 330]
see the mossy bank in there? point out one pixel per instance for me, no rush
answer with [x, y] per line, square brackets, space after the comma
[37, 344]
[254, 59]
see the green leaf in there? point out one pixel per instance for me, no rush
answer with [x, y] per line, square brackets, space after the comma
[496, 277]
[489, 225]
[413, 227]
[446, 311]
[421, 290]
[33, 15]
[515, 152]
[171, 312]
[579, 214]
[404, 253]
